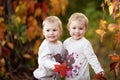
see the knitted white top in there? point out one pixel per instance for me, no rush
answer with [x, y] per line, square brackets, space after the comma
[46, 61]
[83, 55]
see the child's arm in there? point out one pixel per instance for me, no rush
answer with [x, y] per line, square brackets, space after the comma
[92, 59]
[49, 62]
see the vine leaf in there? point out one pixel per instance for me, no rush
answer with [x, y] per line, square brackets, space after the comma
[102, 27]
[116, 39]
[113, 27]
[99, 77]
[115, 65]
[111, 9]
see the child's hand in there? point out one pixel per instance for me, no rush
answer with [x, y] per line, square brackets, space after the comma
[99, 76]
[101, 73]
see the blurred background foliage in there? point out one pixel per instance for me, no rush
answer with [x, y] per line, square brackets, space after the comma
[21, 36]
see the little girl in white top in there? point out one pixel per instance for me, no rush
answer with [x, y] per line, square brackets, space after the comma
[51, 49]
[80, 49]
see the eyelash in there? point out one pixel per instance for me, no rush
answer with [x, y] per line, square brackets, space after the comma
[52, 30]
[79, 28]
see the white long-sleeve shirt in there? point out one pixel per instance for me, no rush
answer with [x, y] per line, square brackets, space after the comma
[83, 55]
[46, 60]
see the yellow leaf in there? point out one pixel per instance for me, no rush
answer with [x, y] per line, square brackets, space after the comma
[101, 33]
[3, 43]
[17, 9]
[113, 27]
[105, 1]
[102, 24]
[18, 19]
[1, 19]
[118, 18]
[111, 9]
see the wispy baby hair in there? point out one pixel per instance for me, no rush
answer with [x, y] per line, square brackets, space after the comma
[79, 17]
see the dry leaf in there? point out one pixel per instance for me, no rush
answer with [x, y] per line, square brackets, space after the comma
[116, 38]
[27, 56]
[114, 57]
[113, 27]
[115, 65]
[10, 45]
[111, 8]
[101, 33]
[102, 24]
[99, 77]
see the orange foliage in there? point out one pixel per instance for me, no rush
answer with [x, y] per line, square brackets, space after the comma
[21, 33]
[114, 28]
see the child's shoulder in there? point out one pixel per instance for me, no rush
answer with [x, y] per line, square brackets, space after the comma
[66, 40]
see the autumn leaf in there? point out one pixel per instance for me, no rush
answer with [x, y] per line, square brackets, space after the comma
[112, 65]
[5, 51]
[105, 1]
[117, 17]
[115, 65]
[56, 9]
[33, 30]
[99, 77]
[101, 33]
[2, 30]
[116, 39]
[27, 56]
[114, 57]
[113, 27]
[2, 62]
[14, 5]
[1, 19]
[1, 36]
[10, 45]
[38, 12]
[57, 68]
[31, 6]
[1, 10]
[36, 46]
[2, 27]
[63, 6]
[102, 24]
[62, 69]
[115, 4]
[111, 7]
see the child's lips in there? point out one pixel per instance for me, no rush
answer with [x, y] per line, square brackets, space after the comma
[51, 37]
[76, 35]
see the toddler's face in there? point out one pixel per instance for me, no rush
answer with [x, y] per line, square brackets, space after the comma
[51, 31]
[77, 29]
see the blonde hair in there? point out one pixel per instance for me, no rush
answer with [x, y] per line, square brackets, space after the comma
[79, 17]
[53, 19]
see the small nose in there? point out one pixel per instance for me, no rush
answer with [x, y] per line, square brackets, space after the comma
[76, 30]
[51, 32]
